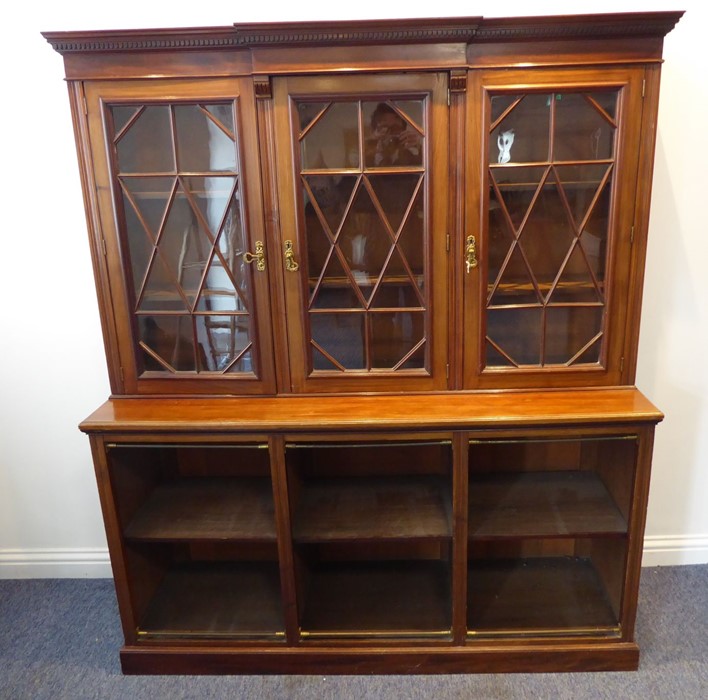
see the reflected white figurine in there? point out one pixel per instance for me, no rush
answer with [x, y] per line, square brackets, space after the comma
[504, 142]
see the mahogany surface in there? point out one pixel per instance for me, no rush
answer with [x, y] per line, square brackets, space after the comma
[442, 503]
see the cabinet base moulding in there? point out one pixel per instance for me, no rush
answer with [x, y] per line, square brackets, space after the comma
[620, 656]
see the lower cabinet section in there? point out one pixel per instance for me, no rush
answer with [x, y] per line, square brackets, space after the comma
[470, 549]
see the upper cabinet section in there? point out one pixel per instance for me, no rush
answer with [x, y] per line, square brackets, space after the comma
[363, 183]
[368, 206]
[553, 229]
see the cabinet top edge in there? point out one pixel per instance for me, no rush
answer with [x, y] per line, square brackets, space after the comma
[364, 32]
[328, 413]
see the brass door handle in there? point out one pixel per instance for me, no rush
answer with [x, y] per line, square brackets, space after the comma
[470, 254]
[291, 265]
[258, 256]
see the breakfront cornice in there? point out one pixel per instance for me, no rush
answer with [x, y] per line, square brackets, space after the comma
[469, 30]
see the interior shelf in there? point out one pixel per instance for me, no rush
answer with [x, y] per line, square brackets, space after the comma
[203, 508]
[359, 508]
[542, 504]
[552, 595]
[215, 600]
[387, 599]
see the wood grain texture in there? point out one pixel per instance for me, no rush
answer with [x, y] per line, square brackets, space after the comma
[548, 658]
[609, 406]
[542, 504]
[207, 509]
[373, 508]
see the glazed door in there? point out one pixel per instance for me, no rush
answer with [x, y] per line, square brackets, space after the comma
[178, 187]
[552, 158]
[362, 168]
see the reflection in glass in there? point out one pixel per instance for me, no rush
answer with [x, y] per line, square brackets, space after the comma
[211, 196]
[529, 122]
[365, 231]
[202, 144]
[146, 146]
[569, 329]
[517, 187]
[331, 141]
[160, 290]
[341, 336]
[389, 138]
[582, 132]
[169, 340]
[220, 340]
[393, 336]
[517, 333]
[148, 197]
[185, 236]
[547, 236]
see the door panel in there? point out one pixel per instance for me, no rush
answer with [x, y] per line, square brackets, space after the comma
[559, 151]
[362, 167]
[180, 203]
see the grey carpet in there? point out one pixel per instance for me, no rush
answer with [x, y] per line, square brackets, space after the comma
[60, 639]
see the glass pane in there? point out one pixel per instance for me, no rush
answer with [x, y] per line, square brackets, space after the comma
[146, 146]
[170, 338]
[545, 585]
[232, 245]
[145, 200]
[341, 336]
[184, 246]
[547, 236]
[364, 241]
[211, 195]
[394, 193]
[122, 115]
[413, 110]
[393, 336]
[499, 104]
[518, 187]
[223, 114]
[161, 291]
[576, 284]
[308, 111]
[330, 194]
[581, 131]
[149, 196]
[218, 292]
[335, 290]
[220, 339]
[333, 140]
[580, 184]
[411, 240]
[389, 138]
[522, 136]
[516, 285]
[517, 332]
[201, 145]
[594, 235]
[569, 329]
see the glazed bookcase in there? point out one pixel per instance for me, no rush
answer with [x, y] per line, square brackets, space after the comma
[370, 296]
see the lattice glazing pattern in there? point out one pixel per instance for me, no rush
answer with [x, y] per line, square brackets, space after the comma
[363, 180]
[552, 158]
[178, 173]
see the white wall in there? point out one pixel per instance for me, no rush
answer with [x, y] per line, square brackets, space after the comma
[52, 371]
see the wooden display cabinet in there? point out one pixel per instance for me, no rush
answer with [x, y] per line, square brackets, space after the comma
[370, 296]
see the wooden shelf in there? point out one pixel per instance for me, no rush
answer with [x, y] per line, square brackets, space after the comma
[541, 504]
[552, 595]
[216, 600]
[370, 599]
[207, 509]
[373, 508]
